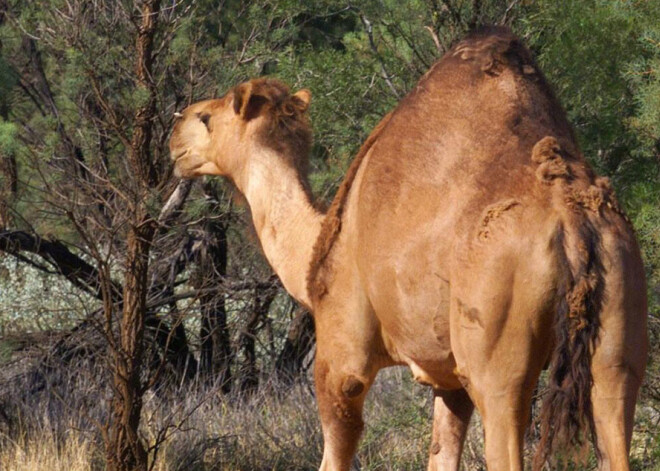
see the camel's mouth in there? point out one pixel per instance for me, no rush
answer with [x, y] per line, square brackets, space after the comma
[189, 164]
[177, 155]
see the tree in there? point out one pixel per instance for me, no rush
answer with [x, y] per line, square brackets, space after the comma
[87, 93]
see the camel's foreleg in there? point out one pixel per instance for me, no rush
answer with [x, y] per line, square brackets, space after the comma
[349, 353]
[452, 411]
[340, 394]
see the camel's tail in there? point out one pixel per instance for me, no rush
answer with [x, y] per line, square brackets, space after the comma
[566, 415]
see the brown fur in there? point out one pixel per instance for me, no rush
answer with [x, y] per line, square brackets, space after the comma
[491, 49]
[547, 153]
[352, 387]
[395, 275]
[493, 212]
[567, 412]
[470, 313]
[286, 129]
[435, 448]
[331, 226]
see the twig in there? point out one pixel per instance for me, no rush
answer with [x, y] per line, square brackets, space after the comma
[436, 40]
[383, 71]
[175, 202]
[508, 9]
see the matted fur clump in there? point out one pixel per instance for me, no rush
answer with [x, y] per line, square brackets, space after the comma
[491, 48]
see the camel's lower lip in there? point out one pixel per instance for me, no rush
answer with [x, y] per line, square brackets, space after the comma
[175, 156]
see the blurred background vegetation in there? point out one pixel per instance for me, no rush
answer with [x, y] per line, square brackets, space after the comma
[226, 351]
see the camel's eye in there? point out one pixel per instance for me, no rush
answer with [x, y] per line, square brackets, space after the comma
[204, 118]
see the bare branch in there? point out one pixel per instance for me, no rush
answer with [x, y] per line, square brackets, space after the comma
[383, 71]
[174, 203]
[436, 41]
[508, 10]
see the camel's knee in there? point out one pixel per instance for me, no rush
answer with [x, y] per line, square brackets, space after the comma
[352, 386]
[343, 380]
[341, 393]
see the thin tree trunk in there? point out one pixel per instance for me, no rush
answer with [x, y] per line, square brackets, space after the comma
[299, 342]
[249, 372]
[215, 350]
[9, 188]
[125, 450]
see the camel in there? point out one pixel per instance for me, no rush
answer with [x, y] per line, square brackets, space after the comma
[470, 240]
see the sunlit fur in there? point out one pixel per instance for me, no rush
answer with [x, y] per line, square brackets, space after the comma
[470, 241]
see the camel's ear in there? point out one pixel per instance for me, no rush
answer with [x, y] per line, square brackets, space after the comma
[302, 98]
[246, 103]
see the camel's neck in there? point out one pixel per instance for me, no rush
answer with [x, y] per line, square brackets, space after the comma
[284, 218]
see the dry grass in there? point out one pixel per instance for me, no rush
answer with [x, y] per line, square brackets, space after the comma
[198, 429]
[43, 451]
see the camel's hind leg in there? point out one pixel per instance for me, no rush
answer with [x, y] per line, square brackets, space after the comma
[505, 416]
[500, 378]
[620, 355]
[500, 344]
[452, 411]
[613, 401]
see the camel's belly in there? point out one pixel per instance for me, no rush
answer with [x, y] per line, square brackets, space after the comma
[415, 328]
[433, 368]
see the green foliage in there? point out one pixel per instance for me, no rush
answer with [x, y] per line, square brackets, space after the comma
[583, 47]
[357, 58]
[8, 137]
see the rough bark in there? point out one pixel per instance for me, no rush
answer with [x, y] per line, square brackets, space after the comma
[141, 159]
[9, 188]
[125, 450]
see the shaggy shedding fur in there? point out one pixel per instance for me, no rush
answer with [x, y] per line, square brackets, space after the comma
[492, 48]
[566, 413]
[491, 213]
[547, 153]
[595, 197]
[331, 226]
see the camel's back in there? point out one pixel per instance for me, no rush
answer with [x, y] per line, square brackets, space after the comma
[460, 141]
[452, 169]
[465, 134]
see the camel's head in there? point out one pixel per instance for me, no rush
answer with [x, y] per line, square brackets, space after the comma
[217, 137]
